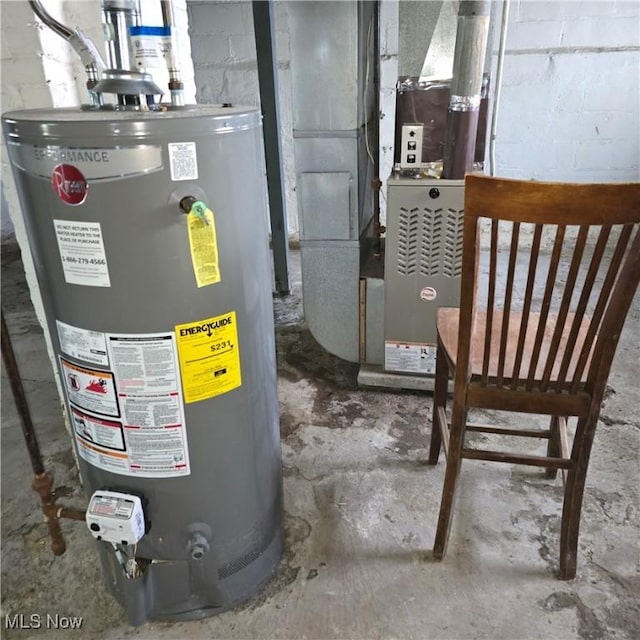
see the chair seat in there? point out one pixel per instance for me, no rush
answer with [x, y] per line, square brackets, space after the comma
[448, 320]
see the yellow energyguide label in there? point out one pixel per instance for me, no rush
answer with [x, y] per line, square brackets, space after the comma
[204, 247]
[209, 357]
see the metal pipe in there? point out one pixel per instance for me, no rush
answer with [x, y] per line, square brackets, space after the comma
[498, 91]
[13, 373]
[81, 44]
[176, 86]
[120, 16]
[265, 37]
[466, 87]
[166, 6]
[42, 481]
[49, 20]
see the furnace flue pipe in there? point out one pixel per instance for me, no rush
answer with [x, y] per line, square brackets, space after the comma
[466, 86]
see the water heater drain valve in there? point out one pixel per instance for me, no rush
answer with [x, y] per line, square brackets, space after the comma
[116, 517]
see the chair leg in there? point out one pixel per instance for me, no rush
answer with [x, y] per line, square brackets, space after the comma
[439, 400]
[452, 472]
[573, 495]
[554, 449]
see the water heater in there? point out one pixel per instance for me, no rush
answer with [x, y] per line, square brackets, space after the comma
[149, 234]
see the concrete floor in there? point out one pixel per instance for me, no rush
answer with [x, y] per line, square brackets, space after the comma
[361, 507]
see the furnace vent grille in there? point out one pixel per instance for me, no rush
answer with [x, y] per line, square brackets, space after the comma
[408, 234]
[452, 263]
[431, 244]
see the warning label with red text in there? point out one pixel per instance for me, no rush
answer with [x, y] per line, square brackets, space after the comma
[90, 389]
[130, 420]
[150, 400]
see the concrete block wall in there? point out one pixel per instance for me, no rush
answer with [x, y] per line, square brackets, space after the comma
[569, 108]
[225, 64]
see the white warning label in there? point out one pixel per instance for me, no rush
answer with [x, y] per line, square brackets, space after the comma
[150, 400]
[83, 344]
[144, 363]
[183, 160]
[98, 431]
[101, 458]
[82, 253]
[409, 357]
[89, 389]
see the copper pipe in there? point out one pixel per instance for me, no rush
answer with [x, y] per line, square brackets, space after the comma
[42, 481]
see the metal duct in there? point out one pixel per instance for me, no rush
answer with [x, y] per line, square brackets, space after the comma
[466, 85]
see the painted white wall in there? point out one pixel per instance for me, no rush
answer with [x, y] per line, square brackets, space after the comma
[225, 63]
[569, 107]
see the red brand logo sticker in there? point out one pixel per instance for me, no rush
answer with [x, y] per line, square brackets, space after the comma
[69, 184]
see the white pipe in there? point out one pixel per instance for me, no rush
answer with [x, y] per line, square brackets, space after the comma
[176, 86]
[496, 97]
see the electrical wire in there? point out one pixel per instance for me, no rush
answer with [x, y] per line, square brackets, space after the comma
[366, 91]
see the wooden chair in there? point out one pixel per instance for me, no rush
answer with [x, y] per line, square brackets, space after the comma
[544, 341]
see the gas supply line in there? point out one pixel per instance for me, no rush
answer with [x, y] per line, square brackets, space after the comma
[42, 480]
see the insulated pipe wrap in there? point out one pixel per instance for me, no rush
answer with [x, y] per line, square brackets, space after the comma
[471, 44]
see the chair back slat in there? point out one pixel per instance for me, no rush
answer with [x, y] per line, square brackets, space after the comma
[546, 305]
[508, 294]
[563, 312]
[491, 297]
[555, 254]
[524, 323]
[603, 300]
[581, 307]
[609, 333]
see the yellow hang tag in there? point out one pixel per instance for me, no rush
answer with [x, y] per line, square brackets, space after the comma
[204, 248]
[209, 357]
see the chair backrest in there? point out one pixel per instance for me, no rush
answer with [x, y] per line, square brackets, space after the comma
[557, 255]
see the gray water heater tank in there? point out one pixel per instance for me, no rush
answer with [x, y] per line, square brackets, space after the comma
[149, 235]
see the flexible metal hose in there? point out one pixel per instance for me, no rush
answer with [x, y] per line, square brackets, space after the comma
[49, 20]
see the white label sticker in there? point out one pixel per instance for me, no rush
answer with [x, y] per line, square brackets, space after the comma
[82, 253]
[150, 398]
[183, 161]
[102, 505]
[89, 389]
[408, 357]
[107, 459]
[144, 363]
[83, 344]
[149, 50]
[97, 431]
